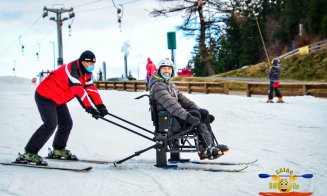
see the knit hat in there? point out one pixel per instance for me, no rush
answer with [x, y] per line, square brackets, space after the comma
[87, 56]
[149, 60]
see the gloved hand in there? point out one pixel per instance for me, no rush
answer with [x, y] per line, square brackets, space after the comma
[211, 118]
[102, 109]
[203, 112]
[95, 113]
[208, 118]
[194, 121]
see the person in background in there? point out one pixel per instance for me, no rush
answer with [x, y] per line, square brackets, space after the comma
[167, 97]
[150, 69]
[274, 75]
[70, 81]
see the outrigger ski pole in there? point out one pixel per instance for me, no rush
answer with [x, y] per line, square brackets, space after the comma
[158, 143]
[128, 129]
[131, 123]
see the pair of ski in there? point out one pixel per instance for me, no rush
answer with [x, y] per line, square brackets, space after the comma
[180, 165]
[177, 166]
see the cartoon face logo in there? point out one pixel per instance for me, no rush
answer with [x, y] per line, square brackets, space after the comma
[284, 184]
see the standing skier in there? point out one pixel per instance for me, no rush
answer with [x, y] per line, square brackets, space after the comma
[274, 75]
[168, 97]
[52, 94]
[150, 69]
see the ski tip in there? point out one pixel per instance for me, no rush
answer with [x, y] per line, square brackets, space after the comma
[87, 169]
[244, 167]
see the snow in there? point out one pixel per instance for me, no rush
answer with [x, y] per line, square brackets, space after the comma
[291, 135]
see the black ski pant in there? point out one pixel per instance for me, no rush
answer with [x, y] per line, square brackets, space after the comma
[273, 89]
[52, 115]
[204, 128]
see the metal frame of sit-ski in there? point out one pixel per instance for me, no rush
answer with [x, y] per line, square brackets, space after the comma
[169, 136]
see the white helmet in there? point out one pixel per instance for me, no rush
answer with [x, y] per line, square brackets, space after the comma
[166, 63]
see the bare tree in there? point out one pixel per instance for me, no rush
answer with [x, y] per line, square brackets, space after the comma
[200, 16]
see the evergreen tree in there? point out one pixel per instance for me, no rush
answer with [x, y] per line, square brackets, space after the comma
[199, 17]
[317, 10]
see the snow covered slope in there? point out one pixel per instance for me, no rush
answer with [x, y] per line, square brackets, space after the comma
[292, 135]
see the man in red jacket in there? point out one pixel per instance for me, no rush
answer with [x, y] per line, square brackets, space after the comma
[52, 94]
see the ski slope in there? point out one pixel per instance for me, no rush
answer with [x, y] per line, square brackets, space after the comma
[292, 135]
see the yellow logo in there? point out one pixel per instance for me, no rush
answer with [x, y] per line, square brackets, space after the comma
[284, 180]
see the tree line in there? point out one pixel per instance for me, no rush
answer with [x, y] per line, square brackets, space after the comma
[228, 32]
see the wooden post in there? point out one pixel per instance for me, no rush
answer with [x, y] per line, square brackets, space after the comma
[248, 90]
[205, 88]
[189, 88]
[225, 88]
[305, 89]
[135, 89]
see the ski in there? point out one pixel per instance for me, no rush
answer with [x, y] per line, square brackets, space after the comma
[75, 159]
[180, 167]
[83, 161]
[85, 169]
[172, 162]
[215, 163]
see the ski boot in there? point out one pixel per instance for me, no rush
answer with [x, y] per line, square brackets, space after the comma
[30, 158]
[269, 101]
[213, 152]
[61, 154]
[217, 151]
[280, 100]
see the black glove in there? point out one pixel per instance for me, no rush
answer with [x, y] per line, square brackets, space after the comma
[194, 121]
[102, 109]
[211, 118]
[95, 113]
[203, 112]
[206, 117]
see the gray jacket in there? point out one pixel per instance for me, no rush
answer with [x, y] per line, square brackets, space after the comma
[167, 96]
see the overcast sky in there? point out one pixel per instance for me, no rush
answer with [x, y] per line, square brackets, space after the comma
[94, 28]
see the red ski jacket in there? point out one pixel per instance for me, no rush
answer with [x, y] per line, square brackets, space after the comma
[150, 68]
[69, 81]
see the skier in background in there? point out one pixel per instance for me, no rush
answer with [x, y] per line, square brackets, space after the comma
[150, 69]
[51, 97]
[274, 75]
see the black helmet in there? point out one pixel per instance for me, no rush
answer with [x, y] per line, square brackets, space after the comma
[276, 62]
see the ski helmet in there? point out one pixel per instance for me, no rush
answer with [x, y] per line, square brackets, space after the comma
[166, 63]
[276, 62]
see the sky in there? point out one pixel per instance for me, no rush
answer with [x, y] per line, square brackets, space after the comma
[94, 28]
[280, 136]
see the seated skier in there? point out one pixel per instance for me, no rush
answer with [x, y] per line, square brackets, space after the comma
[168, 97]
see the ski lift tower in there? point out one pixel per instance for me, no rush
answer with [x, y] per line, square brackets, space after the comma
[59, 20]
